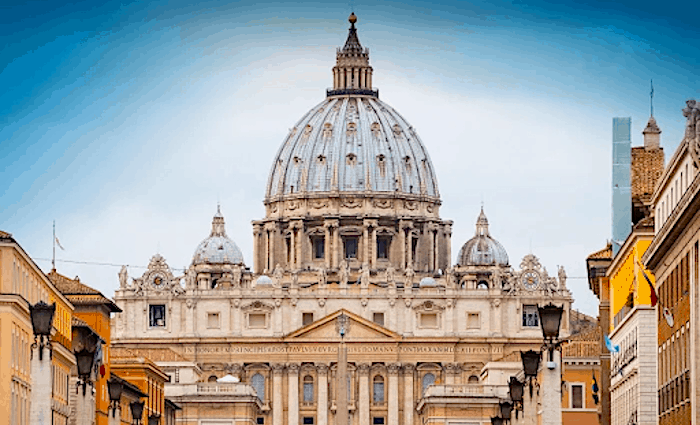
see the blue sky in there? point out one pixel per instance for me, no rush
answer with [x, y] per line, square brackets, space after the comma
[127, 122]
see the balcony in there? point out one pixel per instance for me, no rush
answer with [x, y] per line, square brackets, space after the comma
[346, 92]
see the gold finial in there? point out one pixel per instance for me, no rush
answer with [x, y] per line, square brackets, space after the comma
[352, 19]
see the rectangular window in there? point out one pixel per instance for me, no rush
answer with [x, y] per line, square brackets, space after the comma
[319, 245]
[288, 242]
[213, 321]
[307, 318]
[414, 247]
[473, 321]
[308, 420]
[378, 318]
[378, 421]
[383, 247]
[156, 314]
[577, 396]
[257, 320]
[350, 243]
[429, 320]
[530, 318]
[261, 421]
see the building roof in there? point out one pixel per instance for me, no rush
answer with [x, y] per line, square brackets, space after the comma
[128, 386]
[603, 254]
[80, 294]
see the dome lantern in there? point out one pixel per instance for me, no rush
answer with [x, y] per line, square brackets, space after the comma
[482, 249]
[217, 248]
[352, 73]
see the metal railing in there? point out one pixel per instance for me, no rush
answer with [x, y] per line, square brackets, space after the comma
[344, 92]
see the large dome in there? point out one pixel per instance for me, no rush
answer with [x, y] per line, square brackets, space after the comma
[217, 248]
[352, 141]
[482, 249]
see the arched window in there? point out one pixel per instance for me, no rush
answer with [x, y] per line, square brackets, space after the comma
[258, 383]
[482, 285]
[308, 389]
[428, 379]
[378, 389]
[212, 378]
[473, 379]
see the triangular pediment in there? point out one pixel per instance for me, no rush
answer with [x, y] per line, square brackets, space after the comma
[326, 329]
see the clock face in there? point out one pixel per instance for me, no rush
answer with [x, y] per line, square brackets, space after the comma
[158, 281]
[530, 280]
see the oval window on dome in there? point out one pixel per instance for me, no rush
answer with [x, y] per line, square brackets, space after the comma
[351, 159]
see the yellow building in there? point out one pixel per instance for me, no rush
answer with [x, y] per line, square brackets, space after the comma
[145, 375]
[22, 282]
[581, 362]
[632, 328]
[94, 309]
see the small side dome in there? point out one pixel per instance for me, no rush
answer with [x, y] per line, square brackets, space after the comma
[482, 249]
[217, 248]
[427, 282]
[263, 281]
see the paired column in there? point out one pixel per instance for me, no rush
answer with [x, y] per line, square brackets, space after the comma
[364, 400]
[322, 403]
[393, 403]
[277, 402]
[408, 403]
[293, 394]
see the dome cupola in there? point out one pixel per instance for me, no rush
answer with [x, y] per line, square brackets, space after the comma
[217, 248]
[482, 249]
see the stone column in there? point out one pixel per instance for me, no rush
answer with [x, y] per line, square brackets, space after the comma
[364, 400]
[40, 399]
[373, 259]
[356, 77]
[393, 402]
[363, 74]
[337, 249]
[277, 402]
[293, 250]
[327, 244]
[408, 387]
[299, 239]
[293, 394]
[551, 390]
[365, 244]
[436, 245]
[448, 245]
[322, 402]
[256, 249]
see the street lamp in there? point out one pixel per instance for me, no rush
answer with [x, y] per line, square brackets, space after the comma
[515, 389]
[42, 323]
[85, 360]
[497, 421]
[506, 408]
[115, 394]
[153, 419]
[550, 320]
[531, 365]
[136, 411]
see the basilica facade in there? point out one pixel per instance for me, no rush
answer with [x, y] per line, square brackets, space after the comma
[352, 252]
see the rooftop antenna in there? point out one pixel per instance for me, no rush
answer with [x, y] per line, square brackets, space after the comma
[53, 258]
[651, 97]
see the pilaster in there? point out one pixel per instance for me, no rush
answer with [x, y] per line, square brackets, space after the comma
[393, 402]
[408, 387]
[277, 401]
[322, 402]
[364, 400]
[293, 394]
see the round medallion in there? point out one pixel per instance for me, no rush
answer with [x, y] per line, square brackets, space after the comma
[530, 280]
[158, 281]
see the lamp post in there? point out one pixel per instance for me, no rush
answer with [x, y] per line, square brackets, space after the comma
[136, 411]
[515, 390]
[41, 315]
[153, 419]
[505, 408]
[115, 389]
[550, 321]
[497, 420]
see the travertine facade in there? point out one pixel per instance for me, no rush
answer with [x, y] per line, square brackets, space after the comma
[352, 231]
